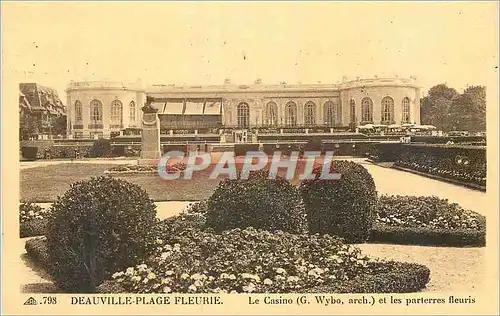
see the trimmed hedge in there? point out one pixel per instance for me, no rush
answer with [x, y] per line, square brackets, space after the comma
[259, 202]
[426, 220]
[425, 236]
[32, 220]
[29, 153]
[386, 277]
[33, 228]
[37, 249]
[342, 207]
[97, 227]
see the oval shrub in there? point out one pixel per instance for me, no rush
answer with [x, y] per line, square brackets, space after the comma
[101, 148]
[97, 227]
[343, 207]
[259, 202]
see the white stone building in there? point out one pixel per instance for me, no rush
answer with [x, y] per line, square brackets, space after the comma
[105, 108]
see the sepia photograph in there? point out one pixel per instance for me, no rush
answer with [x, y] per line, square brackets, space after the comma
[328, 157]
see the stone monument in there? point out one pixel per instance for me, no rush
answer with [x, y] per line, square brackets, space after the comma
[150, 139]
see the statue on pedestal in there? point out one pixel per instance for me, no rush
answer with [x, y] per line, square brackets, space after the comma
[148, 108]
[150, 139]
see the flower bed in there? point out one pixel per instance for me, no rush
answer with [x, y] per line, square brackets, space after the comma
[427, 221]
[32, 220]
[477, 177]
[124, 169]
[191, 258]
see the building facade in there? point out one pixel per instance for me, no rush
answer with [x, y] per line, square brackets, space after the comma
[40, 109]
[105, 108]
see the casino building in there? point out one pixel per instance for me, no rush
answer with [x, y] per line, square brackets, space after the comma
[107, 109]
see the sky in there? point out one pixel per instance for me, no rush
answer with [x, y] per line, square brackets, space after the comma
[205, 43]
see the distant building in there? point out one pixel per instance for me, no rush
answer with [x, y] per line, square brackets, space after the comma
[104, 109]
[42, 105]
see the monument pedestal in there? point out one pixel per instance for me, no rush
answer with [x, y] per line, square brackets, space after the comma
[150, 138]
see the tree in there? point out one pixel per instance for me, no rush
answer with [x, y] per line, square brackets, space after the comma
[29, 126]
[59, 125]
[448, 110]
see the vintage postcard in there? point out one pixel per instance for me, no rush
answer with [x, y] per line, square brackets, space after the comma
[249, 158]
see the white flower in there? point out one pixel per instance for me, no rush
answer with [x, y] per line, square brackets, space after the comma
[192, 287]
[167, 248]
[159, 241]
[166, 289]
[164, 255]
[268, 282]
[249, 288]
[146, 280]
[177, 247]
[196, 276]
[184, 276]
[117, 274]
[135, 278]
[293, 279]
[198, 283]
[280, 270]
[142, 267]
[130, 271]
[151, 276]
[31, 213]
[169, 272]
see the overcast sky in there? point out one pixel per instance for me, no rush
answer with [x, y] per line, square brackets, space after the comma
[204, 43]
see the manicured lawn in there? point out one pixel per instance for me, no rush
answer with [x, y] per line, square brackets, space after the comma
[44, 184]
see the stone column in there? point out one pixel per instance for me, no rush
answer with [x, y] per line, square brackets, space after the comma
[150, 136]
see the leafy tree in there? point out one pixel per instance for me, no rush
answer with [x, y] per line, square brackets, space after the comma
[449, 110]
[59, 125]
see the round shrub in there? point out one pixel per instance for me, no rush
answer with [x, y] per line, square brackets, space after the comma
[101, 148]
[259, 202]
[343, 207]
[97, 227]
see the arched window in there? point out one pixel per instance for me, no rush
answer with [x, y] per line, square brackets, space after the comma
[116, 113]
[367, 110]
[131, 116]
[387, 110]
[271, 114]
[243, 115]
[96, 111]
[291, 113]
[332, 113]
[310, 113]
[78, 111]
[406, 110]
[352, 111]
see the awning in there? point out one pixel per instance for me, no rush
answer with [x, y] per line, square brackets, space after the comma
[213, 107]
[159, 106]
[193, 108]
[174, 107]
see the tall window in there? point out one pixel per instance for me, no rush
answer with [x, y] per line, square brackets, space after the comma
[243, 115]
[352, 111]
[366, 110]
[96, 111]
[406, 110]
[291, 113]
[310, 113]
[116, 116]
[332, 113]
[387, 110]
[131, 116]
[271, 113]
[78, 111]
